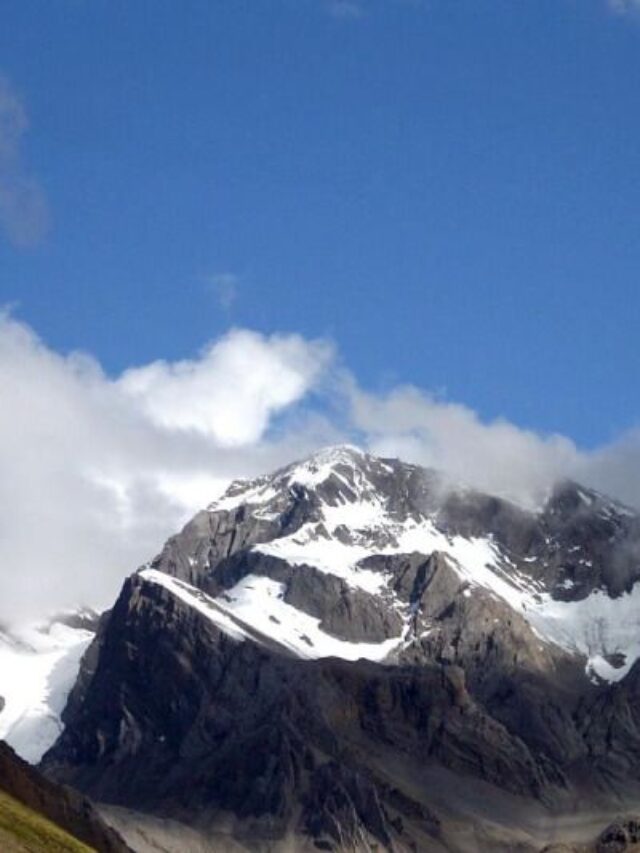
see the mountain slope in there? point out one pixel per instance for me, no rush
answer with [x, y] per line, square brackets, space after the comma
[24, 831]
[320, 655]
[36, 815]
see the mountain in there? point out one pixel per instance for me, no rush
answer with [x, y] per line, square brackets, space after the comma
[37, 816]
[353, 654]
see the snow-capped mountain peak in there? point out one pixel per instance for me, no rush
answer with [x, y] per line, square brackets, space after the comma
[342, 462]
[349, 518]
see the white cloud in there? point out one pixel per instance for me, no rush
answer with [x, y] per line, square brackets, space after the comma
[96, 472]
[24, 213]
[495, 457]
[233, 389]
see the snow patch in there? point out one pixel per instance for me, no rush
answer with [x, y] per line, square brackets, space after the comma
[38, 668]
[319, 467]
[259, 602]
[239, 493]
[308, 546]
[255, 607]
[599, 627]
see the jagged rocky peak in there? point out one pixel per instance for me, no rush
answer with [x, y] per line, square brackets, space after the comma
[568, 498]
[591, 542]
[315, 557]
[342, 460]
[338, 489]
[337, 475]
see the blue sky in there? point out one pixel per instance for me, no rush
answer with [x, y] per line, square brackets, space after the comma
[448, 189]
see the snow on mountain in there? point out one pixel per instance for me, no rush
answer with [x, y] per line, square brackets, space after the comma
[307, 473]
[355, 512]
[598, 626]
[254, 610]
[358, 520]
[601, 628]
[38, 667]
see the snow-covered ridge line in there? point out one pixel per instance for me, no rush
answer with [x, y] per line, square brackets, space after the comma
[197, 600]
[260, 602]
[308, 473]
[255, 610]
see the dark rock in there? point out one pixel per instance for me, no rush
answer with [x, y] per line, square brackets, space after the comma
[349, 614]
[165, 725]
[620, 836]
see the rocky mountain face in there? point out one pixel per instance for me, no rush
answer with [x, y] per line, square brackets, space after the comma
[352, 654]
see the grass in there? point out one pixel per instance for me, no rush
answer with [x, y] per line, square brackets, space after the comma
[25, 831]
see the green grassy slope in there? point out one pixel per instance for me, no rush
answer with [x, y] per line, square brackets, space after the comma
[24, 831]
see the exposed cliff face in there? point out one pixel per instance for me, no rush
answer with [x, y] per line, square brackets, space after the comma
[298, 658]
[206, 726]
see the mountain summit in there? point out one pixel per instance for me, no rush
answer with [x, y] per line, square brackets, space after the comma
[328, 539]
[352, 654]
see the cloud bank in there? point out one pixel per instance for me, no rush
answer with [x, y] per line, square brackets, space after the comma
[499, 457]
[24, 213]
[96, 471]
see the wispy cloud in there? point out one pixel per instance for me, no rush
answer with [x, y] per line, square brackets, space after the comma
[100, 471]
[355, 9]
[24, 212]
[624, 6]
[496, 457]
[224, 286]
[346, 8]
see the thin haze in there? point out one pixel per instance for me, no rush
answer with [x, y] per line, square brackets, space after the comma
[24, 214]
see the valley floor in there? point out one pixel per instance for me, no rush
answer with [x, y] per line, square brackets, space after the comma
[491, 822]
